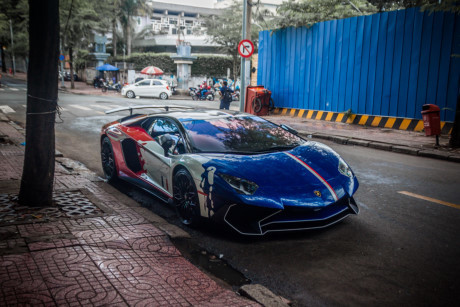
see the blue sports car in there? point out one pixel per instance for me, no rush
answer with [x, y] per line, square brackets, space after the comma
[237, 168]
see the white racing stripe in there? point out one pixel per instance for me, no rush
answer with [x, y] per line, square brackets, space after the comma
[313, 172]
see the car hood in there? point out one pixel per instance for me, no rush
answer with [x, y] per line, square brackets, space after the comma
[307, 174]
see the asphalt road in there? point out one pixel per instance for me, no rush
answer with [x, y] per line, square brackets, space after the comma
[401, 249]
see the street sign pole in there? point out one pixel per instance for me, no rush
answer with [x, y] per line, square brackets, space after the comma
[243, 60]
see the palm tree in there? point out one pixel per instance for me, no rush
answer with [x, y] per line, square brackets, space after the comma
[128, 10]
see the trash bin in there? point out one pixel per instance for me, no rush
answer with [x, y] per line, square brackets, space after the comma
[431, 119]
[258, 100]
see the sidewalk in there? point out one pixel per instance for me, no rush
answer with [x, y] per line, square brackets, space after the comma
[95, 247]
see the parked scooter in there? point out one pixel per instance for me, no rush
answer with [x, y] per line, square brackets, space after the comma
[236, 95]
[98, 82]
[207, 95]
[111, 87]
[192, 90]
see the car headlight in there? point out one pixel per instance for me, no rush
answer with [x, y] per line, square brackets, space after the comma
[344, 169]
[240, 185]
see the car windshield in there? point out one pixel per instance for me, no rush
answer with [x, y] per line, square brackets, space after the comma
[240, 135]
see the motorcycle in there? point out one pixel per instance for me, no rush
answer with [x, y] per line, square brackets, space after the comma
[236, 95]
[208, 95]
[191, 90]
[111, 87]
[98, 82]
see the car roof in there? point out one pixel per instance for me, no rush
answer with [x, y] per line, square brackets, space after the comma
[184, 115]
[179, 113]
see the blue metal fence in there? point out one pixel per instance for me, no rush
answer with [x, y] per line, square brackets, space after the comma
[387, 64]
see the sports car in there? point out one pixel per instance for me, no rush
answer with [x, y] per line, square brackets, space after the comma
[231, 167]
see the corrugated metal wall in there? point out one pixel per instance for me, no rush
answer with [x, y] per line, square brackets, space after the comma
[387, 64]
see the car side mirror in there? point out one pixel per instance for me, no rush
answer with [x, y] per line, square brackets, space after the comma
[289, 129]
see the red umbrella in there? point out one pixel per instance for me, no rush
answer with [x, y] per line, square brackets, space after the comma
[152, 70]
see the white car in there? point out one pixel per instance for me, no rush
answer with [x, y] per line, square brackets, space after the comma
[147, 88]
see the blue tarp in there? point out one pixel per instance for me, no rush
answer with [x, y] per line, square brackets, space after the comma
[107, 67]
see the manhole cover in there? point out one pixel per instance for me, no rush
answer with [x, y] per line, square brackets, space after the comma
[69, 204]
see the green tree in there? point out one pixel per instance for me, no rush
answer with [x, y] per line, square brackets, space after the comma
[308, 12]
[15, 11]
[79, 20]
[128, 10]
[225, 30]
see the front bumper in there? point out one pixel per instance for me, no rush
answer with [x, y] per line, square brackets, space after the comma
[252, 220]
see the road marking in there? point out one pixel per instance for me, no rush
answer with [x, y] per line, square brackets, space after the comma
[80, 107]
[2, 89]
[7, 109]
[104, 107]
[14, 89]
[433, 200]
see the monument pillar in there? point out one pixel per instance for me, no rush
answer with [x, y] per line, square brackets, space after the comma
[184, 60]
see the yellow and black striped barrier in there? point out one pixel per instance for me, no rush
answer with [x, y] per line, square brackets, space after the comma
[364, 120]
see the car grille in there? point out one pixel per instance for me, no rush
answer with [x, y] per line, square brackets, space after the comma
[252, 220]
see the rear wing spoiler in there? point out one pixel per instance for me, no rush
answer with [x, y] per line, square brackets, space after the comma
[131, 108]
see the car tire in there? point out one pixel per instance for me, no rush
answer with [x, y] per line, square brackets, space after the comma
[108, 161]
[194, 97]
[130, 94]
[163, 96]
[186, 201]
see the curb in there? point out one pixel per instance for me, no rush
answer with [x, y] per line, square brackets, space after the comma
[384, 146]
[398, 123]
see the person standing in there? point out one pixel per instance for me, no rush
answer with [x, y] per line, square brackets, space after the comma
[225, 96]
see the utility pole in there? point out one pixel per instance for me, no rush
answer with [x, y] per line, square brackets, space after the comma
[243, 60]
[12, 47]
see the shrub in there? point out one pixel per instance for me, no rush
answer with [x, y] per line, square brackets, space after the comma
[215, 66]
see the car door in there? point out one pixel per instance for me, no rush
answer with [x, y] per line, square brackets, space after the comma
[157, 155]
[157, 88]
[142, 88]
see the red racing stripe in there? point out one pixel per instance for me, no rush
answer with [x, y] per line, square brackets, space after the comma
[311, 170]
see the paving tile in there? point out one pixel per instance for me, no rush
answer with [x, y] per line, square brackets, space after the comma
[159, 246]
[125, 218]
[42, 229]
[30, 298]
[73, 279]
[58, 243]
[19, 274]
[86, 224]
[95, 236]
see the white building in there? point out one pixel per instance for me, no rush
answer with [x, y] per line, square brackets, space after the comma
[168, 15]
